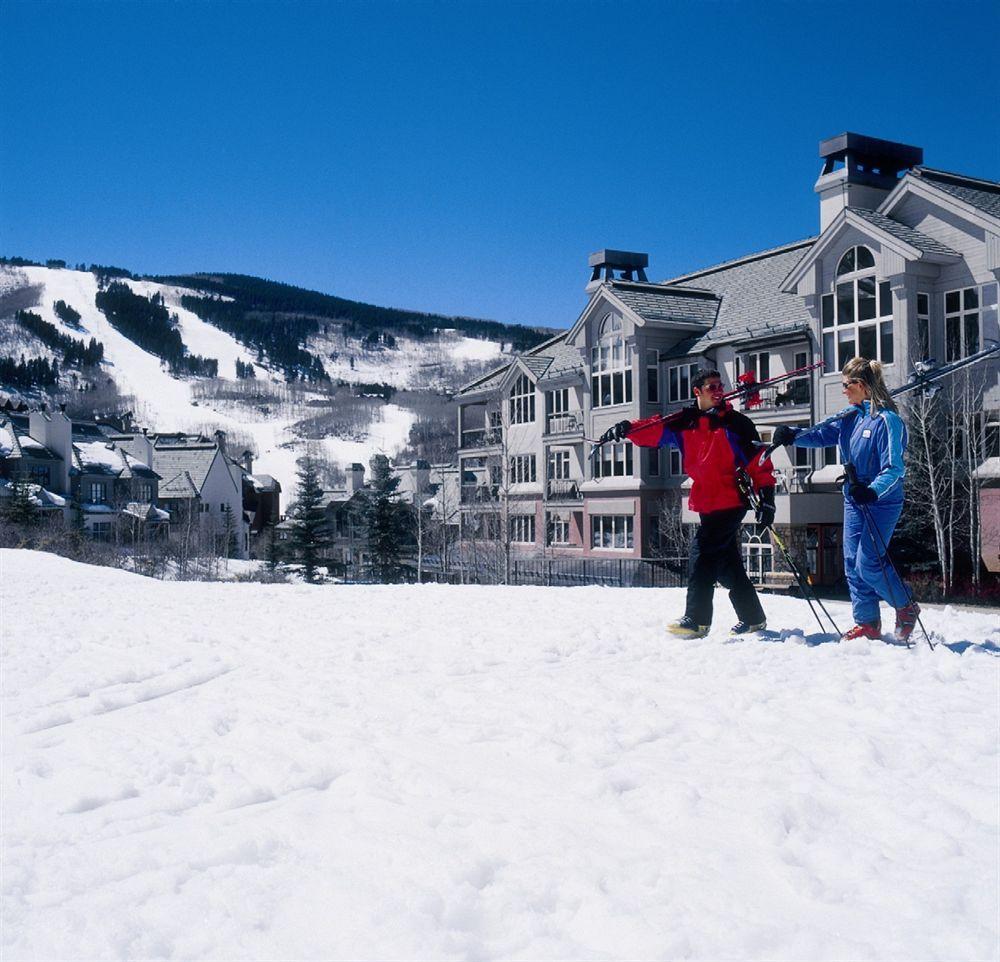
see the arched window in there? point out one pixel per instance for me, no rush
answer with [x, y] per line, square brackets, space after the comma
[610, 365]
[522, 401]
[857, 314]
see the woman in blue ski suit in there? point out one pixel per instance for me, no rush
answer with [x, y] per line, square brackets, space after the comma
[872, 438]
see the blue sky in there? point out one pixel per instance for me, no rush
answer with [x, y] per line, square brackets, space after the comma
[461, 157]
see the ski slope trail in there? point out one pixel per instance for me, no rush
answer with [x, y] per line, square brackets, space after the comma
[165, 401]
[208, 771]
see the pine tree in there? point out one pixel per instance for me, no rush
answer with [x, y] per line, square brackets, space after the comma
[307, 519]
[21, 508]
[273, 550]
[387, 520]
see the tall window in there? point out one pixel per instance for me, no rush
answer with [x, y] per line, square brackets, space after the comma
[143, 491]
[679, 380]
[654, 462]
[98, 492]
[522, 401]
[676, 462]
[557, 529]
[522, 469]
[614, 460]
[923, 326]
[758, 364]
[961, 322]
[522, 528]
[558, 465]
[611, 365]
[612, 531]
[857, 316]
[557, 402]
[652, 376]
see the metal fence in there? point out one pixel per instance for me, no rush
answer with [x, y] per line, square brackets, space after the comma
[569, 572]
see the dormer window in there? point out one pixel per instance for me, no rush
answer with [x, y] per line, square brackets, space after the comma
[857, 314]
[610, 365]
[522, 401]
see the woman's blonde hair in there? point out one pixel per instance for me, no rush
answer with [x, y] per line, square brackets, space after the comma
[869, 373]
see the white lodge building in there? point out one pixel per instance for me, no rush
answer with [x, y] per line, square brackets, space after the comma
[905, 267]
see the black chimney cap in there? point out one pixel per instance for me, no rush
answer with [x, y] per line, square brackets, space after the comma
[888, 151]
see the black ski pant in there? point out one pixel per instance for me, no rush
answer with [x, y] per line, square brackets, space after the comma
[715, 557]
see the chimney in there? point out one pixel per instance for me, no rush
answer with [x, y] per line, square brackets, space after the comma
[220, 440]
[631, 266]
[55, 431]
[140, 446]
[247, 459]
[355, 478]
[859, 171]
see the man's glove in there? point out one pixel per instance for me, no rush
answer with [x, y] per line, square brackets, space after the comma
[783, 436]
[765, 510]
[615, 433]
[861, 493]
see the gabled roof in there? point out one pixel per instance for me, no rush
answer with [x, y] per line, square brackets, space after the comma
[903, 240]
[976, 192]
[652, 302]
[175, 461]
[179, 486]
[908, 235]
[751, 302]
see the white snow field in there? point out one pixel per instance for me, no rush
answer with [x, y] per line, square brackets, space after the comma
[237, 771]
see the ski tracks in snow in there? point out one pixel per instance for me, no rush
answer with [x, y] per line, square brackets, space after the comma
[201, 771]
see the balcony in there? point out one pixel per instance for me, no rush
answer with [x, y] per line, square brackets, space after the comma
[563, 489]
[480, 493]
[483, 438]
[566, 422]
[788, 394]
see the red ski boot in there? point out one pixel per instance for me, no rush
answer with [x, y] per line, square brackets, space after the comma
[873, 631]
[906, 620]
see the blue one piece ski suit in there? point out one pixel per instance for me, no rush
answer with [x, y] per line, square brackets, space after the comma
[874, 444]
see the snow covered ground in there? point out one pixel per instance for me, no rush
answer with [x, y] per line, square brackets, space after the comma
[166, 401]
[225, 771]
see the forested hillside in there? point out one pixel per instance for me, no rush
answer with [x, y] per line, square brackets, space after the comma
[255, 296]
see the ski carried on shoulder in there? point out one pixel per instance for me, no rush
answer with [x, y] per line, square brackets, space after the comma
[923, 378]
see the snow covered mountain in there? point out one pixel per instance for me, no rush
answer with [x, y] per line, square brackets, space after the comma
[235, 771]
[265, 411]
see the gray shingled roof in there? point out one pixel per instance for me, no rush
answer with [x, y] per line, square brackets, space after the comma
[984, 194]
[906, 234]
[173, 463]
[751, 301]
[652, 303]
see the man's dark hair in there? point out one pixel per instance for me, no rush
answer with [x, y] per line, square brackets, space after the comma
[702, 376]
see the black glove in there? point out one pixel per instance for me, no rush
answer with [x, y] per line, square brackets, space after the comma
[861, 493]
[615, 433]
[783, 436]
[765, 509]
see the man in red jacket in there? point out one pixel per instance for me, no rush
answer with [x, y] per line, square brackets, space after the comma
[717, 443]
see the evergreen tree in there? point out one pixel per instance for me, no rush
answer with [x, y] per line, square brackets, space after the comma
[21, 508]
[273, 551]
[388, 521]
[307, 519]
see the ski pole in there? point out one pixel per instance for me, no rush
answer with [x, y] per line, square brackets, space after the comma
[873, 533]
[746, 488]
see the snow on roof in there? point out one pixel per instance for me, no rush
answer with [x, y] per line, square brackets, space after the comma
[100, 456]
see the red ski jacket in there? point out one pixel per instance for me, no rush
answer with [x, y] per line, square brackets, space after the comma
[713, 444]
